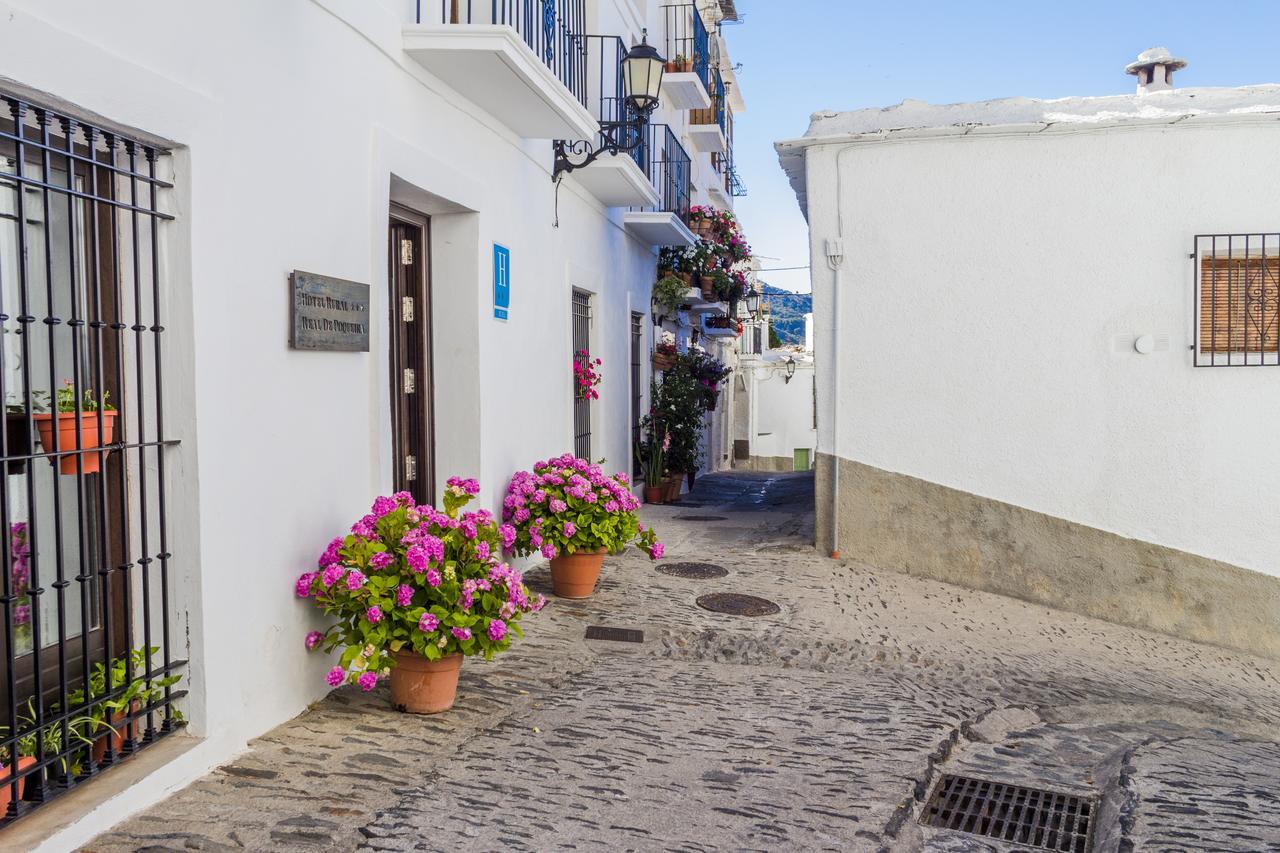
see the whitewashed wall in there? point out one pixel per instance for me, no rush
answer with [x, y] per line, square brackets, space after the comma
[783, 411]
[986, 281]
[297, 123]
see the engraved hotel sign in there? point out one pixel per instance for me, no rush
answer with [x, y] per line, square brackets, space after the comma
[328, 313]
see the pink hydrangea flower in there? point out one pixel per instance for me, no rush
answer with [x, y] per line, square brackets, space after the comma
[482, 551]
[417, 558]
[557, 505]
[384, 506]
[521, 514]
[428, 623]
[550, 551]
[355, 580]
[508, 534]
[313, 639]
[611, 506]
[569, 529]
[374, 614]
[497, 630]
[461, 633]
[539, 603]
[433, 577]
[336, 676]
[367, 681]
[303, 586]
[656, 551]
[404, 595]
[381, 560]
[330, 554]
[332, 574]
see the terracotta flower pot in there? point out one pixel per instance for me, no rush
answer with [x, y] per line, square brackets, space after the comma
[654, 494]
[575, 575]
[6, 789]
[116, 738]
[90, 463]
[421, 686]
[663, 361]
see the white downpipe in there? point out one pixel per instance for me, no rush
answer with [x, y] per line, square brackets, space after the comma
[835, 262]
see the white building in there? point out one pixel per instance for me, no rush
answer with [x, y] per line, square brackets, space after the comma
[403, 152]
[1025, 348]
[775, 416]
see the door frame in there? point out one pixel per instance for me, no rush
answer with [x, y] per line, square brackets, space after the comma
[425, 485]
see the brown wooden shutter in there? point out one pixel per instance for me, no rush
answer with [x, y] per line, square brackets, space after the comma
[1239, 304]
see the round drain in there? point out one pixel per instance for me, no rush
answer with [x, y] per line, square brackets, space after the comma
[737, 604]
[701, 518]
[696, 571]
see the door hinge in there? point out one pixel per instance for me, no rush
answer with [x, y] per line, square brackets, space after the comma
[411, 467]
[406, 309]
[410, 380]
[406, 252]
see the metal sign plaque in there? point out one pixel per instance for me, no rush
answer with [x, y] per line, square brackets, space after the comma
[328, 313]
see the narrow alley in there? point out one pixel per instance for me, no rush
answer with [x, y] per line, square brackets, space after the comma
[824, 725]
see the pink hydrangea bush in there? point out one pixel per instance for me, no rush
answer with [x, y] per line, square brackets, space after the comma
[566, 505]
[415, 578]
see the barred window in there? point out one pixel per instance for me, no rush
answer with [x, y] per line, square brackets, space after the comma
[1237, 300]
[86, 656]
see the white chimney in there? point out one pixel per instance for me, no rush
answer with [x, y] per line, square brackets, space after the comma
[1154, 70]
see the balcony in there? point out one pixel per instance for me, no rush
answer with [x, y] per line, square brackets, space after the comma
[687, 82]
[707, 126]
[523, 61]
[668, 167]
[616, 180]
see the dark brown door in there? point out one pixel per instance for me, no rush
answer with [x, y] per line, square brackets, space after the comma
[411, 397]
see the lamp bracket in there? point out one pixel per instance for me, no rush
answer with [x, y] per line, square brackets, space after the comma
[615, 138]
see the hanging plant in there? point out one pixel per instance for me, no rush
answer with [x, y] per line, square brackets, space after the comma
[669, 294]
[587, 375]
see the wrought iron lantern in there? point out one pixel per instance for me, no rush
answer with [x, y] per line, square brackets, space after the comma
[753, 302]
[791, 370]
[642, 68]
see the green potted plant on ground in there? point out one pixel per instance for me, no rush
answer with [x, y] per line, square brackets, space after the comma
[652, 454]
[568, 510]
[415, 590]
[77, 424]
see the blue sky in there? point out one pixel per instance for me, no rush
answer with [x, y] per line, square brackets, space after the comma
[800, 56]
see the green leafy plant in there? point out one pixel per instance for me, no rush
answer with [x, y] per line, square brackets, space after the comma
[669, 293]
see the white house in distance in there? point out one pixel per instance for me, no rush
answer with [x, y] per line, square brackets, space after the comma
[1033, 325]
[314, 251]
[775, 418]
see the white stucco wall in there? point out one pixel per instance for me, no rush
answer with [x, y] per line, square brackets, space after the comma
[296, 124]
[986, 281]
[781, 411]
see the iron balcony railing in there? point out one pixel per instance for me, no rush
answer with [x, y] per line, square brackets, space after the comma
[600, 77]
[668, 166]
[548, 27]
[688, 41]
[715, 114]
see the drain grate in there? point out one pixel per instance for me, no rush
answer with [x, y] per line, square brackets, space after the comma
[618, 635]
[696, 571]
[737, 604]
[1030, 817]
[701, 518]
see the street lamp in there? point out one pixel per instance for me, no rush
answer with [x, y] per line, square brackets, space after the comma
[753, 303]
[791, 370]
[642, 68]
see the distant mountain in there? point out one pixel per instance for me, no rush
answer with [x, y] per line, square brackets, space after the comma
[789, 309]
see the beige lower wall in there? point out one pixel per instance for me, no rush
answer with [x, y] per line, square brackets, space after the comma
[897, 522]
[765, 463]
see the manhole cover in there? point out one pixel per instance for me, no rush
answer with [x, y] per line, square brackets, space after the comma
[619, 635]
[697, 571]
[737, 604]
[701, 518]
[1028, 817]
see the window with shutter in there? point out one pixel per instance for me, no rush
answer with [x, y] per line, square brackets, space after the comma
[1238, 300]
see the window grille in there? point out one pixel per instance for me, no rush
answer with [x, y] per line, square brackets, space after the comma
[637, 388]
[581, 344]
[84, 543]
[1237, 300]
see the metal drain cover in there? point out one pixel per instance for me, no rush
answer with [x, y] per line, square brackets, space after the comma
[696, 571]
[1028, 817]
[737, 604]
[619, 635]
[701, 518]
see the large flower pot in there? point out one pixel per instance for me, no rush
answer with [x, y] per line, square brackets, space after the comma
[89, 463]
[654, 494]
[673, 487]
[115, 736]
[6, 788]
[421, 686]
[575, 575]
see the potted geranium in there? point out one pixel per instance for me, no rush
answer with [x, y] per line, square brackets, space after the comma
[573, 514]
[415, 590]
[587, 375]
[77, 422]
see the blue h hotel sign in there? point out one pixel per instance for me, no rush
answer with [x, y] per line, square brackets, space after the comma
[501, 281]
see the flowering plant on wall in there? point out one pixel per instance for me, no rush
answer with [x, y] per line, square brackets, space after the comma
[568, 505]
[587, 376]
[415, 579]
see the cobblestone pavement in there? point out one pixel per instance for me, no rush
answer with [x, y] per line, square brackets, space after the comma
[823, 727]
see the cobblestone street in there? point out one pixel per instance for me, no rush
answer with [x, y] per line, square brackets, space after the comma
[822, 727]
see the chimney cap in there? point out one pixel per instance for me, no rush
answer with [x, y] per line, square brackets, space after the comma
[1152, 57]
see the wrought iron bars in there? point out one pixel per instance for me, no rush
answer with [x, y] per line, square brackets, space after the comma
[1237, 300]
[688, 40]
[84, 559]
[581, 319]
[668, 166]
[548, 27]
